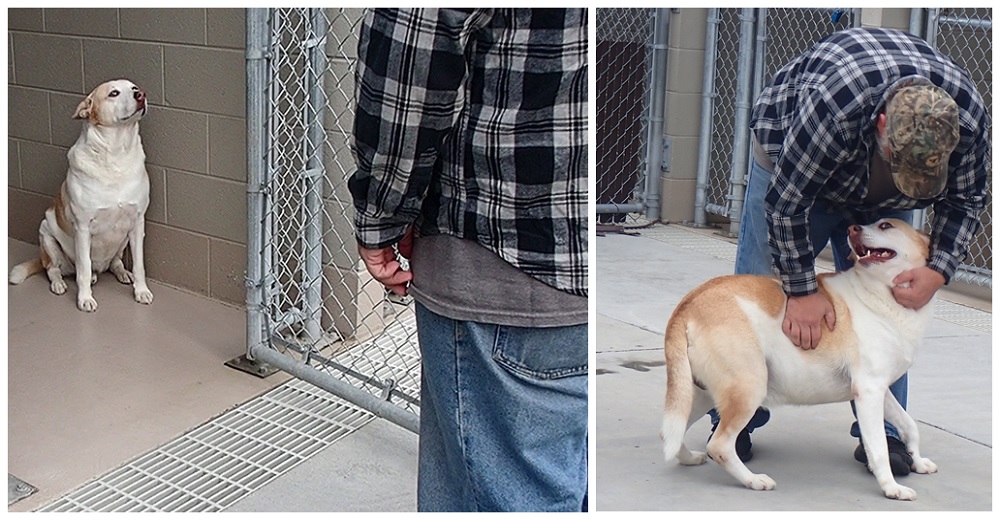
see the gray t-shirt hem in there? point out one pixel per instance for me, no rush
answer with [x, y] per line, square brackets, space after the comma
[462, 280]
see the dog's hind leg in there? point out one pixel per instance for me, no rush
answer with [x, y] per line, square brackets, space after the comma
[897, 416]
[118, 267]
[700, 406]
[736, 408]
[53, 260]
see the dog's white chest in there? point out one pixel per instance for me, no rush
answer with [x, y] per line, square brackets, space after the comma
[109, 232]
[116, 220]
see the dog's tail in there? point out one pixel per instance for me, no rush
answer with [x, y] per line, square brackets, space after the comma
[22, 271]
[680, 388]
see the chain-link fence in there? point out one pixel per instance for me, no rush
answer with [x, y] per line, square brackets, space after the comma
[965, 35]
[624, 61]
[777, 36]
[313, 309]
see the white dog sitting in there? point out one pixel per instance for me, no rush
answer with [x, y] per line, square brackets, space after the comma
[101, 205]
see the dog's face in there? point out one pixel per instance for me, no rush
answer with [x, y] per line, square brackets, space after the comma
[117, 102]
[888, 247]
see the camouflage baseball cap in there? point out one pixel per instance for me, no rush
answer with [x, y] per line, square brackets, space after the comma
[922, 129]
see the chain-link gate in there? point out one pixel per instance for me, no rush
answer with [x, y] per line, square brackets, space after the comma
[627, 77]
[312, 308]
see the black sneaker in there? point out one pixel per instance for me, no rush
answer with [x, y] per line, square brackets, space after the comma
[743, 444]
[900, 460]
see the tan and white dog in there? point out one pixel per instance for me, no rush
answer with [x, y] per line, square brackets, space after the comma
[101, 205]
[725, 349]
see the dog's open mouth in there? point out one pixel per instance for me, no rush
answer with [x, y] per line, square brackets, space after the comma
[870, 255]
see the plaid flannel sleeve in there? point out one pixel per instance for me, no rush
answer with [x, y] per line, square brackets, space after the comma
[814, 146]
[957, 217]
[408, 87]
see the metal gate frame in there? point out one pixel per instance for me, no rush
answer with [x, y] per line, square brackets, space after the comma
[268, 324]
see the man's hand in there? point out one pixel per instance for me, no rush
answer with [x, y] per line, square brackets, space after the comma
[918, 287]
[384, 267]
[803, 316]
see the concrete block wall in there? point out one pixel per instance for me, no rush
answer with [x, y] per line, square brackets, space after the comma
[191, 64]
[682, 119]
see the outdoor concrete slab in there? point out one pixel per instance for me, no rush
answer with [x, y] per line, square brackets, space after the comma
[807, 450]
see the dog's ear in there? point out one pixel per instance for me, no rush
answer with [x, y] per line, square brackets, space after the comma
[83, 109]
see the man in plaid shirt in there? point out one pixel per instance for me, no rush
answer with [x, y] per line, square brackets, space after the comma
[868, 123]
[470, 137]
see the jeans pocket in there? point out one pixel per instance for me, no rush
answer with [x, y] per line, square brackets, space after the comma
[542, 353]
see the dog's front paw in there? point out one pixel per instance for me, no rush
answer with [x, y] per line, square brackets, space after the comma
[144, 296]
[922, 465]
[86, 304]
[898, 492]
[760, 482]
[58, 286]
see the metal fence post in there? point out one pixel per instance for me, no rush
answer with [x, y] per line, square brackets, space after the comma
[256, 70]
[658, 93]
[312, 177]
[741, 135]
[708, 95]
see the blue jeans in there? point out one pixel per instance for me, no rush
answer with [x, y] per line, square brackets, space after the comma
[503, 416]
[753, 254]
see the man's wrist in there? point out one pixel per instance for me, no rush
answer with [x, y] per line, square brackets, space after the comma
[799, 284]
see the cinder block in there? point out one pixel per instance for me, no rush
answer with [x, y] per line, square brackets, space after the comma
[50, 62]
[177, 257]
[227, 271]
[215, 207]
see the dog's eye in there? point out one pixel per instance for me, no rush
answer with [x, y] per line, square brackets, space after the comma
[885, 225]
[113, 93]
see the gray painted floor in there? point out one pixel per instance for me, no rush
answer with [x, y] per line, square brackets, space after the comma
[807, 450]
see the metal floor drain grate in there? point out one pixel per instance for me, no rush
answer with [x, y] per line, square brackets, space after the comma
[974, 319]
[217, 463]
[722, 249]
[698, 241]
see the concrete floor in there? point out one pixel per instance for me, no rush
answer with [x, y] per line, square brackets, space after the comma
[89, 393]
[807, 450]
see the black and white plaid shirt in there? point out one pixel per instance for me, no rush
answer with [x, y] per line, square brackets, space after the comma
[473, 123]
[816, 121]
